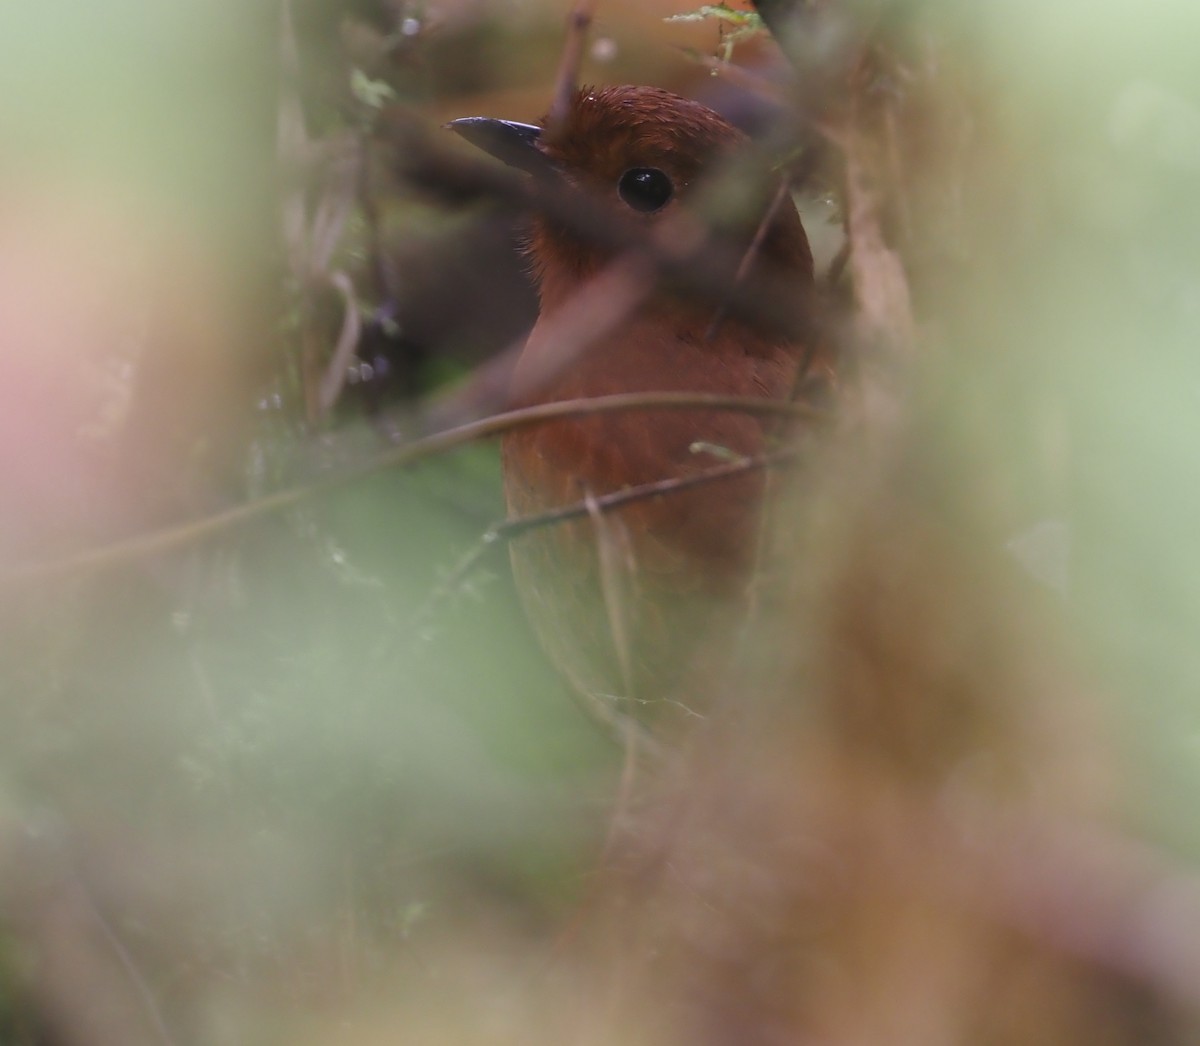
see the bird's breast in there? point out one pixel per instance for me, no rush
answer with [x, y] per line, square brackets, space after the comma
[627, 601]
[711, 527]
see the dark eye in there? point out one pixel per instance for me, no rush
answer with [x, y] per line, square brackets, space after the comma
[645, 188]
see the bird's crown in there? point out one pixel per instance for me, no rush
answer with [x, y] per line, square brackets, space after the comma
[612, 130]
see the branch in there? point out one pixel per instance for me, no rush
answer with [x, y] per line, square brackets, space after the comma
[170, 538]
[645, 492]
[598, 308]
[503, 532]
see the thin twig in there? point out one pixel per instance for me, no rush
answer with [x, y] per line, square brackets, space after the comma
[501, 533]
[140, 986]
[617, 570]
[334, 377]
[484, 391]
[311, 239]
[837, 267]
[644, 492]
[341, 176]
[171, 538]
[752, 251]
[578, 24]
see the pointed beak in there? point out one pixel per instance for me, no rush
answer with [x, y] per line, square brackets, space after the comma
[516, 144]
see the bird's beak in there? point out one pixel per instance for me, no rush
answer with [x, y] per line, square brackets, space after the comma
[514, 143]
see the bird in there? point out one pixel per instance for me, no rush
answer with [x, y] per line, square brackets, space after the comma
[635, 605]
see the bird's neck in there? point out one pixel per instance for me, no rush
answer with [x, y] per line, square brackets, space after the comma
[561, 267]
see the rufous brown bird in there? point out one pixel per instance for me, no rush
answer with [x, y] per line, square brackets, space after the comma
[635, 605]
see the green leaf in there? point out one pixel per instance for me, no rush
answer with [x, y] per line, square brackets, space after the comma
[722, 12]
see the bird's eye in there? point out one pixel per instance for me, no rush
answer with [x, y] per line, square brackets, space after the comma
[645, 189]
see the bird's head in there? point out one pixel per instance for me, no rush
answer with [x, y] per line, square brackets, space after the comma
[645, 155]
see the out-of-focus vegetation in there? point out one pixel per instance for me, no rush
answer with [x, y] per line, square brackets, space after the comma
[303, 780]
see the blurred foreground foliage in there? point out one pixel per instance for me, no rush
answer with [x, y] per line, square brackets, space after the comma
[284, 783]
